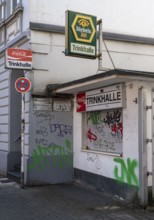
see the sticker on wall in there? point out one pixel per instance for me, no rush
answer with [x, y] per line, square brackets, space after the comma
[62, 105]
[81, 102]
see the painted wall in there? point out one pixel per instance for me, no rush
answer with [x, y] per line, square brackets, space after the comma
[51, 66]
[4, 115]
[125, 168]
[10, 117]
[126, 17]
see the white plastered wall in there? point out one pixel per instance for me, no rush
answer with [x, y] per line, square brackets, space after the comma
[51, 66]
[131, 17]
[130, 137]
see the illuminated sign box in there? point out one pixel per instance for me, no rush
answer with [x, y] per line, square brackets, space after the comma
[80, 35]
[18, 59]
[105, 98]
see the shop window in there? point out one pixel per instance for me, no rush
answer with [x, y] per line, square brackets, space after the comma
[103, 131]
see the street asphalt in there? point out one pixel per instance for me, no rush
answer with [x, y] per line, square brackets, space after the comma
[64, 202]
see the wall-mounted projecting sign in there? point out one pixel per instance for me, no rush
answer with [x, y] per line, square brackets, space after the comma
[18, 59]
[80, 35]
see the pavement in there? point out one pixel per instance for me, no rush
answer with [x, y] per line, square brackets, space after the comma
[64, 202]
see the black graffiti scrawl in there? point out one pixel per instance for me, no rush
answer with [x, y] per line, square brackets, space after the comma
[105, 130]
[114, 122]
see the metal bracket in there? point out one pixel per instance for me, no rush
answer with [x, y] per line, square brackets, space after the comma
[148, 107]
[135, 100]
[149, 140]
[99, 21]
[98, 55]
[149, 173]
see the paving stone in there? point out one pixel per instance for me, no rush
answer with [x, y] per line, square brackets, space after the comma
[63, 202]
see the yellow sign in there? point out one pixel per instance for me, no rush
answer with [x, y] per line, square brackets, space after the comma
[83, 28]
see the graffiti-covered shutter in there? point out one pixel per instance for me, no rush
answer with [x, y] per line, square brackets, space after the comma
[51, 153]
[104, 131]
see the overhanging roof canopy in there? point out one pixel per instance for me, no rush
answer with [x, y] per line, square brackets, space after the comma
[100, 80]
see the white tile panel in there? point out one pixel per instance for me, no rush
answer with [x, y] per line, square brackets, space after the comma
[4, 93]
[4, 128]
[4, 138]
[4, 110]
[4, 119]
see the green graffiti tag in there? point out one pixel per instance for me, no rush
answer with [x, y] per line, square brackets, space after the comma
[127, 171]
[95, 118]
[41, 159]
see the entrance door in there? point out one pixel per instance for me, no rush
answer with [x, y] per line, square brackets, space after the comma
[51, 154]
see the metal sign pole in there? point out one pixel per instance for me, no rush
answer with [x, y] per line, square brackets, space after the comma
[100, 45]
[22, 139]
[22, 85]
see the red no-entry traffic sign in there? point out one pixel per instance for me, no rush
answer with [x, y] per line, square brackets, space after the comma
[22, 84]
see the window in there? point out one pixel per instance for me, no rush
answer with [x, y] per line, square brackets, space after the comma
[104, 131]
[2, 39]
[11, 6]
[2, 5]
[14, 4]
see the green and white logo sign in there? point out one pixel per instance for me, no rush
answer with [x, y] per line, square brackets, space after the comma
[80, 35]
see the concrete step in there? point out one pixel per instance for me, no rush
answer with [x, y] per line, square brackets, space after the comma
[14, 175]
[18, 167]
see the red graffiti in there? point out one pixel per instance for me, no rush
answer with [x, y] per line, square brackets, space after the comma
[117, 127]
[91, 136]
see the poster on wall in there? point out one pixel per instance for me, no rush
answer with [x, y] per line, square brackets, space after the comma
[105, 131]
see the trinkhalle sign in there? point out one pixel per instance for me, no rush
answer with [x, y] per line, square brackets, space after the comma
[18, 59]
[105, 98]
